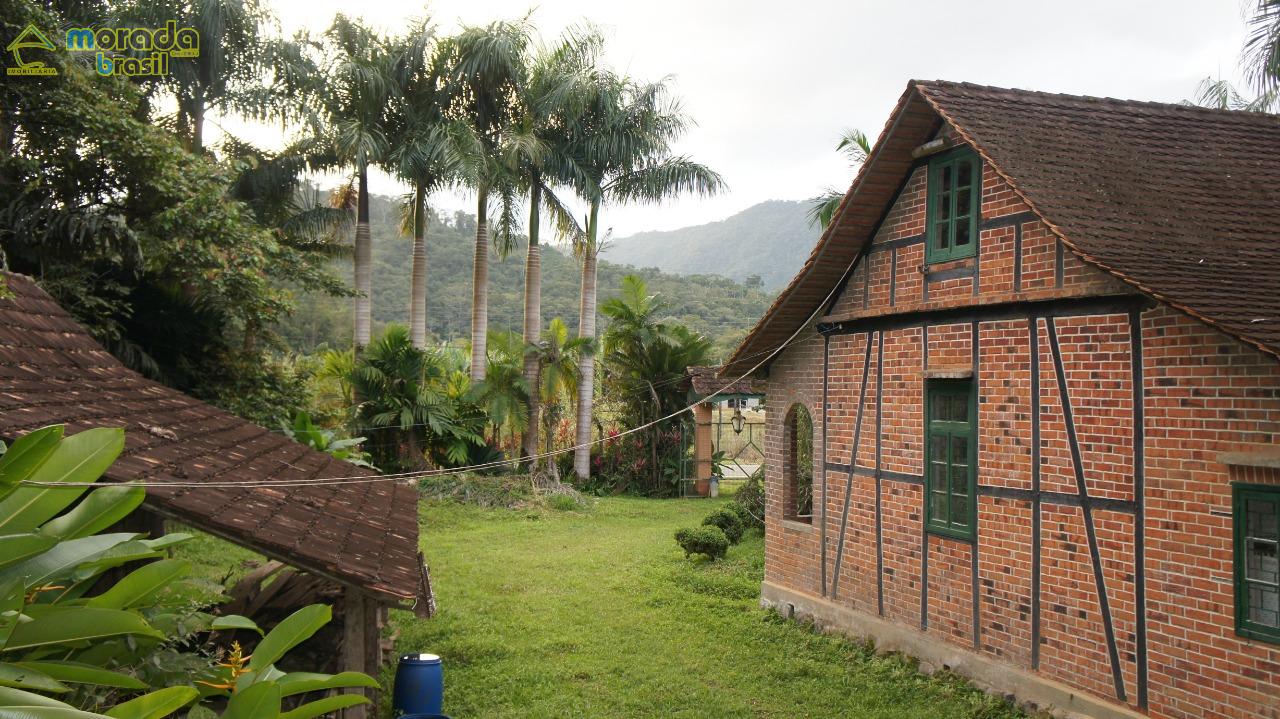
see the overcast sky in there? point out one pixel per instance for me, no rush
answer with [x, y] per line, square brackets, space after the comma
[772, 84]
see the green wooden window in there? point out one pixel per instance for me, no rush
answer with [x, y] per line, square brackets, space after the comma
[955, 184]
[1257, 562]
[950, 442]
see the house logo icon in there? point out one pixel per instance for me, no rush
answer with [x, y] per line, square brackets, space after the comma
[30, 39]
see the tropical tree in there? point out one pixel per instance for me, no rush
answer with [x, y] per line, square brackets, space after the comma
[536, 152]
[856, 147]
[244, 66]
[1262, 49]
[646, 359]
[422, 154]
[503, 394]
[413, 408]
[620, 146]
[560, 360]
[360, 82]
[484, 71]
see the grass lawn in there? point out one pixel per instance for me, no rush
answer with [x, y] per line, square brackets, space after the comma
[596, 613]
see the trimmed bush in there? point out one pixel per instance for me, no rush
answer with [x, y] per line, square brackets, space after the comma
[728, 522]
[703, 540]
[743, 516]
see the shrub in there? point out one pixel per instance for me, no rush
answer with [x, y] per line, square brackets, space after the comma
[728, 522]
[703, 540]
[749, 501]
[741, 513]
[562, 502]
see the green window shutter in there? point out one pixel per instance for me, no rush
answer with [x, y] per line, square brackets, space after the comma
[952, 204]
[1256, 512]
[951, 458]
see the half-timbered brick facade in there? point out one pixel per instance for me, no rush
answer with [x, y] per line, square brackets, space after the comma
[1038, 344]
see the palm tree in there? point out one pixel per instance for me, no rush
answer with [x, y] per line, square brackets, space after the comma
[560, 373]
[423, 155]
[536, 152]
[1262, 49]
[360, 81]
[645, 359]
[243, 68]
[854, 144]
[485, 70]
[504, 392]
[621, 147]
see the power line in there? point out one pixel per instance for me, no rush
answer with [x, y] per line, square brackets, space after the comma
[335, 481]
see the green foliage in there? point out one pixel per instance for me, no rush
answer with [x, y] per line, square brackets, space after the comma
[856, 147]
[710, 541]
[416, 406]
[506, 491]
[325, 440]
[728, 521]
[712, 305]
[142, 240]
[91, 651]
[748, 502]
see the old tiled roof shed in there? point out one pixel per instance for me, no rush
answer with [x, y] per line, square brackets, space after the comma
[1180, 202]
[705, 381]
[361, 535]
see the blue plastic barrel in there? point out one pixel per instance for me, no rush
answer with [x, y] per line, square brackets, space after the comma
[419, 687]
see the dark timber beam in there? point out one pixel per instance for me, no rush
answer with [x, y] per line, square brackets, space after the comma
[1086, 508]
[853, 462]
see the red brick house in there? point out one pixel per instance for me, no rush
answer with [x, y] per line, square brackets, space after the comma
[1038, 344]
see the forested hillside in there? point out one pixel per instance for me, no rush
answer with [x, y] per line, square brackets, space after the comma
[718, 307]
[771, 239]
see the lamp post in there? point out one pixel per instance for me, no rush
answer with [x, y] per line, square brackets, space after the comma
[737, 419]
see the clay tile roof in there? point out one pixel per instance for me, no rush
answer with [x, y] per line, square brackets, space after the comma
[707, 381]
[1181, 202]
[52, 372]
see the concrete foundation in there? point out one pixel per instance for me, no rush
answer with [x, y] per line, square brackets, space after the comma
[987, 673]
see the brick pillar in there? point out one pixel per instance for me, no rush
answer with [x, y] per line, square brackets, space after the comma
[702, 440]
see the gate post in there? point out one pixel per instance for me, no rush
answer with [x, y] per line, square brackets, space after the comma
[702, 444]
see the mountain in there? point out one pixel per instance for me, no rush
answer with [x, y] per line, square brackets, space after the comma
[718, 307]
[771, 239]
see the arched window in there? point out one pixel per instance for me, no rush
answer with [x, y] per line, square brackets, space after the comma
[797, 465]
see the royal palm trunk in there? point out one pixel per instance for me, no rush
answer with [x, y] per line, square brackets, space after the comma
[587, 328]
[480, 289]
[418, 289]
[363, 265]
[533, 319]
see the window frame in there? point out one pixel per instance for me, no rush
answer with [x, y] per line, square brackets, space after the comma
[792, 464]
[937, 164]
[1240, 493]
[967, 388]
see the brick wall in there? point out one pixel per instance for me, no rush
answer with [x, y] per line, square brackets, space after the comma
[1203, 394]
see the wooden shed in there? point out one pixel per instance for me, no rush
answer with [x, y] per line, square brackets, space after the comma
[355, 541]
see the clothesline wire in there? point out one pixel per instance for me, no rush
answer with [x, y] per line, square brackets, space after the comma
[335, 481]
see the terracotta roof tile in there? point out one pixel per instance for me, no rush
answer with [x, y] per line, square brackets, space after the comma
[1181, 202]
[52, 371]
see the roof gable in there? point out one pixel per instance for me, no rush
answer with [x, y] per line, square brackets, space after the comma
[1182, 203]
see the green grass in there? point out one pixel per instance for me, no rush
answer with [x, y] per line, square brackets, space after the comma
[596, 613]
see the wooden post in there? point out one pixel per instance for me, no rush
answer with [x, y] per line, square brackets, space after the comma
[355, 647]
[703, 446]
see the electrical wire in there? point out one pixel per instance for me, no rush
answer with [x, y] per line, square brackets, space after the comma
[335, 481]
